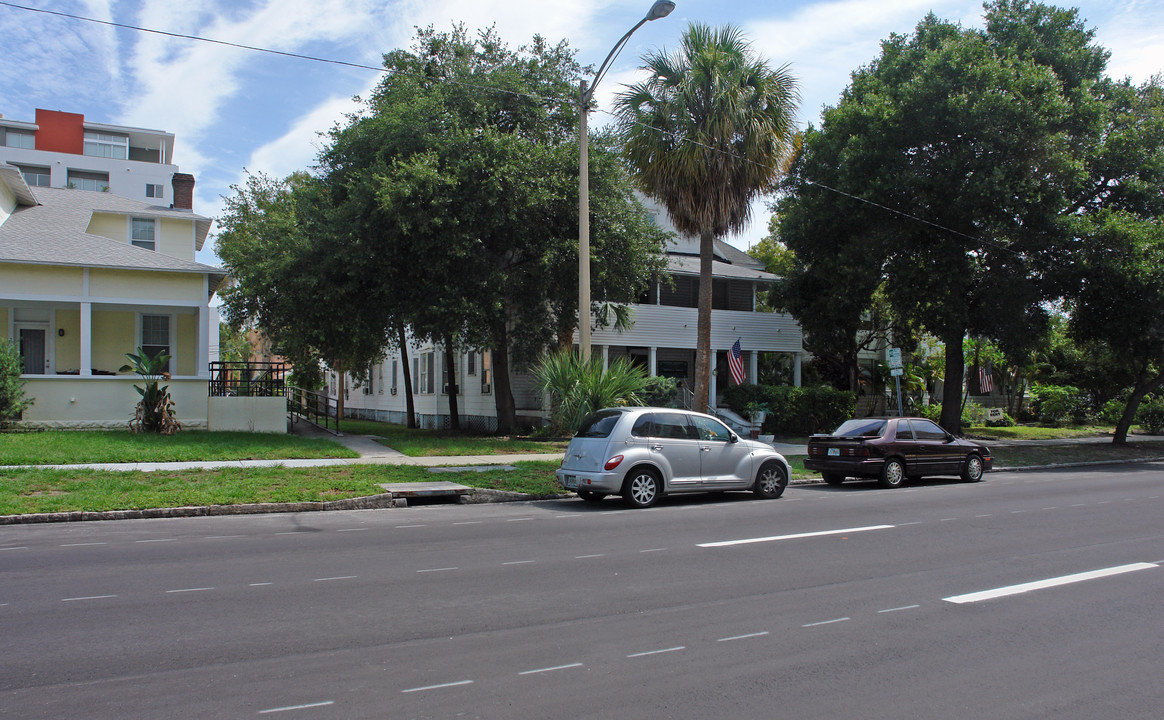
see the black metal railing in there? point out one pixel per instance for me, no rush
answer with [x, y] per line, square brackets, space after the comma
[247, 379]
[314, 406]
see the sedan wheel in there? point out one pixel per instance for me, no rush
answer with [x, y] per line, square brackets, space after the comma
[641, 489]
[771, 481]
[893, 474]
[590, 495]
[833, 478]
[972, 472]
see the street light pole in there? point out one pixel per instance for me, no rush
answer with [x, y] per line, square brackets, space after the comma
[661, 9]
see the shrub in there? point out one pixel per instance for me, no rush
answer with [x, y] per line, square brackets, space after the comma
[12, 400]
[792, 410]
[1112, 411]
[1059, 404]
[1150, 415]
[155, 410]
[659, 391]
[578, 388]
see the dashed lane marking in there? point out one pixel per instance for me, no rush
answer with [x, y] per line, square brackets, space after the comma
[903, 607]
[1048, 583]
[743, 637]
[88, 597]
[83, 544]
[438, 687]
[297, 707]
[797, 536]
[657, 652]
[188, 590]
[551, 669]
[826, 622]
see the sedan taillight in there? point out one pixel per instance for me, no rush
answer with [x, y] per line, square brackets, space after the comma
[612, 463]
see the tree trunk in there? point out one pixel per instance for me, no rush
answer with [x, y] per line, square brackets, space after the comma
[502, 391]
[409, 403]
[451, 369]
[952, 383]
[1141, 389]
[703, 326]
[340, 394]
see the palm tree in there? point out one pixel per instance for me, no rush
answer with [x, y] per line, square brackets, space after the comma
[709, 131]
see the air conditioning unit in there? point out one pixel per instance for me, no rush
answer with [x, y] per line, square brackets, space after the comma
[485, 387]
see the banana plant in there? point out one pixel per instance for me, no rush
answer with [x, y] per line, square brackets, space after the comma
[155, 410]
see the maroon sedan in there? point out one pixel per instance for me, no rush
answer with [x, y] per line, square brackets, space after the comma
[893, 449]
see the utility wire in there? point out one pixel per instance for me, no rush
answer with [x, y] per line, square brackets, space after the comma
[387, 71]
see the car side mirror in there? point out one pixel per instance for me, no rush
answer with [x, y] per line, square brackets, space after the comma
[734, 438]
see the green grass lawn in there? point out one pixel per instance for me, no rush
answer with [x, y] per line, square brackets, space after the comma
[424, 443]
[98, 446]
[1038, 432]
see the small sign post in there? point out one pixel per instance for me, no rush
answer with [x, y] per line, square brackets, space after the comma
[896, 370]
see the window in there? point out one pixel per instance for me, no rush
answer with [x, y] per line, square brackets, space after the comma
[430, 372]
[486, 371]
[35, 176]
[142, 233]
[106, 146]
[380, 379]
[471, 363]
[155, 337]
[415, 376]
[19, 139]
[926, 430]
[97, 182]
[155, 191]
[394, 377]
[711, 430]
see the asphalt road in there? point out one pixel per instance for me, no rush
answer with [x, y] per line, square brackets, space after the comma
[1030, 595]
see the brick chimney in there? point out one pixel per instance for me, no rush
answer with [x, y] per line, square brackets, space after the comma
[183, 191]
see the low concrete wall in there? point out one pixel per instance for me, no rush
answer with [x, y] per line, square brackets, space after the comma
[105, 401]
[248, 414]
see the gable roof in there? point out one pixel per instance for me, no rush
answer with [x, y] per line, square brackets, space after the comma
[53, 233]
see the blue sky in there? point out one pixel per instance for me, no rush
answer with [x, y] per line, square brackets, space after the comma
[233, 109]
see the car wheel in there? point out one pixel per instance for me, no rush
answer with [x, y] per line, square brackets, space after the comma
[591, 496]
[642, 488]
[833, 478]
[893, 473]
[972, 471]
[771, 480]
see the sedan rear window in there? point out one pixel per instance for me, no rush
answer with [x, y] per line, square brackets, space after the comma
[599, 424]
[862, 428]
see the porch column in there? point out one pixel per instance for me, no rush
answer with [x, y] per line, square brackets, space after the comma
[86, 339]
[652, 361]
[796, 369]
[202, 369]
[754, 366]
[605, 357]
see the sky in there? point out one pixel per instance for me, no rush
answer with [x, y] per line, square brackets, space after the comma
[235, 110]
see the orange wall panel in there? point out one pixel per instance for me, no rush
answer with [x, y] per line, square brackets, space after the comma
[60, 131]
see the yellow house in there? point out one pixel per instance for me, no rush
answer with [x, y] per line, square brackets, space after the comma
[86, 277]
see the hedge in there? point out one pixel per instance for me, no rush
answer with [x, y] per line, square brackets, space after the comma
[793, 410]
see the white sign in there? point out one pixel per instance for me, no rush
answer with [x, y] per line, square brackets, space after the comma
[894, 356]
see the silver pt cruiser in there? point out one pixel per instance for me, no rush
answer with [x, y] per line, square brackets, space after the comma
[643, 453]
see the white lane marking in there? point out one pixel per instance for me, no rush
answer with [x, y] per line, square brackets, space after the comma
[1051, 508]
[947, 519]
[903, 607]
[90, 597]
[743, 637]
[653, 550]
[83, 544]
[469, 522]
[820, 533]
[986, 515]
[158, 540]
[352, 529]
[261, 584]
[1079, 505]
[826, 622]
[222, 537]
[916, 522]
[22, 547]
[550, 669]
[291, 532]
[401, 527]
[438, 570]
[518, 562]
[1017, 512]
[585, 557]
[184, 590]
[519, 519]
[340, 577]
[657, 652]
[1050, 582]
[297, 707]
[438, 687]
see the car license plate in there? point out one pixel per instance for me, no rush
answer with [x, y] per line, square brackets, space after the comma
[834, 452]
[571, 481]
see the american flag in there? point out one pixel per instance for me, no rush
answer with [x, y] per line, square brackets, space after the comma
[736, 363]
[985, 381]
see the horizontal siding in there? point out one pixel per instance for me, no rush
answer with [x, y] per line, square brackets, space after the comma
[675, 327]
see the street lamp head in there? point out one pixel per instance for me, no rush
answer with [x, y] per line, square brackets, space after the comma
[661, 9]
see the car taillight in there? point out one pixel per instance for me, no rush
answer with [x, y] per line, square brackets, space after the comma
[857, 452]
[612, 463]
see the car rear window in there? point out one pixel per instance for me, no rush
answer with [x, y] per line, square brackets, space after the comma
[599, 424]
[862, 428]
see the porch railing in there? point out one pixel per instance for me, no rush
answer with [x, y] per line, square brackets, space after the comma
[314, 406]
[247, 379]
